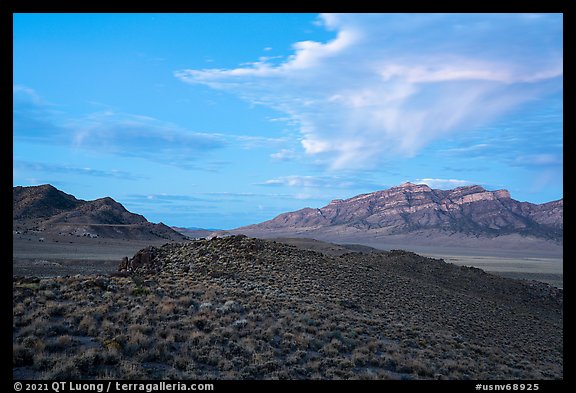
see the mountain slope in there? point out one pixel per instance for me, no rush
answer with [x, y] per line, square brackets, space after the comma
[41, 201]
[49, 210]
[480, 324]
[470, 212]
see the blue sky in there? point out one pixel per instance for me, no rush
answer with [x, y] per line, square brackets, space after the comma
[224, 120]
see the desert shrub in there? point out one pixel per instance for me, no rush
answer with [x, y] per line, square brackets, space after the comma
[140, 291]
[57, 329]
[114, 344]
[19, 309]
[111, 356]
[138, 339]
[54, 309]
[360, 357]
[107, 374]
[181, 362]
[62, 369]
[61, 343]
[33, 343]
[131, 370]
[21, 356]
[109, 328]
[202, 324]
[166, 308]
[88, 325]
[43, 361]
[87, 360]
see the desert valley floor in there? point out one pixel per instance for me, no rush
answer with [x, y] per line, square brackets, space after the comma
[71, 255]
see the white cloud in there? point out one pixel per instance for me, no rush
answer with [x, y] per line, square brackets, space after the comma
[254, 142]
[445, 183]
[322, 182]
[388, 85]
[467, 149]
[24, 93]
[284, 155]
[295, 181]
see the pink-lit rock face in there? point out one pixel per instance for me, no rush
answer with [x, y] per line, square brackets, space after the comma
[502, 194]
[408, 207]
[480, 196]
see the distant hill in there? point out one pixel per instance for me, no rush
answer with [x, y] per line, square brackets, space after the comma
[417, 214]
[46, 209]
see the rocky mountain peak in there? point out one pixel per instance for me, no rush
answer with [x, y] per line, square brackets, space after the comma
[41, 201]
[413, 187]
[470, 210]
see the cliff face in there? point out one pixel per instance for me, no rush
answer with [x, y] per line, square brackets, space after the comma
[470, 210]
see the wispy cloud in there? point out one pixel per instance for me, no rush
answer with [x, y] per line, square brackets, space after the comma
[254, 142]
[390, 84]
[539, 160]
[296, 181]
[284, 155]
[467, 149]
[111, 132]
[35, 119]
[321, 182]
[181, 199]
[85, 171]
[162, 198]
[141, 136]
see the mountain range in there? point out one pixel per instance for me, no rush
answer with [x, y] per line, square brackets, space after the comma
[417, 214]
[45, 209]
[405, 215]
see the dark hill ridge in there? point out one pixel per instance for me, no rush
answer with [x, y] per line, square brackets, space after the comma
[47, 209]
[432, 319]
[41, 201]
[470, 211]
[100, 211]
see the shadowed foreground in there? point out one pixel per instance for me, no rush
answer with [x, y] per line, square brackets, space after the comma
[242, 308]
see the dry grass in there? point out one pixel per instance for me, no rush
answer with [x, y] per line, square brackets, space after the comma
[247, 309]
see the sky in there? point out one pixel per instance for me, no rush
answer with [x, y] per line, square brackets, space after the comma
[225, 120]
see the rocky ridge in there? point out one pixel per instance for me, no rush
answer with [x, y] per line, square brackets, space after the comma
[425, 296]
[470, 210]
[47, 210]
